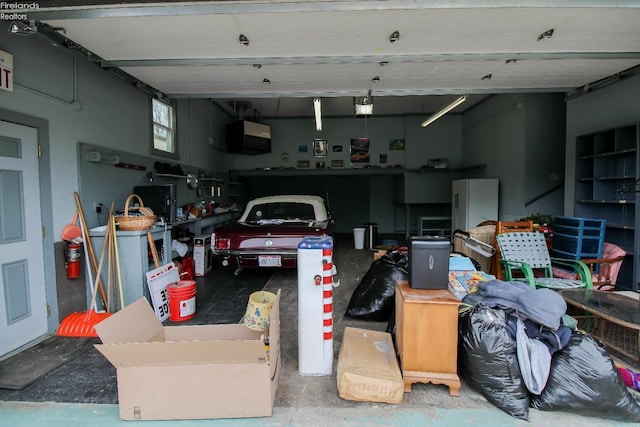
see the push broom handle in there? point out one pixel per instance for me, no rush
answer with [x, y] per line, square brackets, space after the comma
[152, 246]
[92, 256]
[107, 236]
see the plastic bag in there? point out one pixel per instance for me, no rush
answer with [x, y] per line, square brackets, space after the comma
[488, 360]
[584, 380]
[374, 298]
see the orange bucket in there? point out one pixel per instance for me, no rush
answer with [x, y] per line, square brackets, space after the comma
[182, 300]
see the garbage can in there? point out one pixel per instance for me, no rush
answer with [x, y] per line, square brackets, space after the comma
[371, 235]
[358, 237]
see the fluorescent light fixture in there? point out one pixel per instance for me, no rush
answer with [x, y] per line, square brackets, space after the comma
[444, 111]
[317, 108]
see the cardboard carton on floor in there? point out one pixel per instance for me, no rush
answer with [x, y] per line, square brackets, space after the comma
[190, 372]
[202, 255]
[368, 369]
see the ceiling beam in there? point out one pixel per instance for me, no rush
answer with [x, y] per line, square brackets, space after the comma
[371, 59]
[377, 93]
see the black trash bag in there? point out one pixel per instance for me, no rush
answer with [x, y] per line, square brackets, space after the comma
[585, 381]
[488, 360]
[374, 298]
[391, 326]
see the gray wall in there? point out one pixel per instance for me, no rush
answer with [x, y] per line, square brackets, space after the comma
[544, 153]
[612, 106]
[520, 139]
[602, 109]
[84, 104]
[358, 199]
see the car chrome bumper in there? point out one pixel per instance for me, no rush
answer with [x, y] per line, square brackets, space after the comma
[250, 258]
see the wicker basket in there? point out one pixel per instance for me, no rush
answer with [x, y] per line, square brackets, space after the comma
[136, 222]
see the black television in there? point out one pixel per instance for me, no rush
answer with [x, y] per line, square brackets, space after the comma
[161, 199]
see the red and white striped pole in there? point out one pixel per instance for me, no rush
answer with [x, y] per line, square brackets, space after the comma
[315, 306]
[327, 301]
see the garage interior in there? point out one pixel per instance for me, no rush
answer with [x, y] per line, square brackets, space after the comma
[536, 77]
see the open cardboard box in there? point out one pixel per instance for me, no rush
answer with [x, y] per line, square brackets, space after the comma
[190, 372]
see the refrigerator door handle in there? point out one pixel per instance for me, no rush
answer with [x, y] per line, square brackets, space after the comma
[455, 200]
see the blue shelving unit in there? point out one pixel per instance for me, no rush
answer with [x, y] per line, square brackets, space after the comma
[577, 238]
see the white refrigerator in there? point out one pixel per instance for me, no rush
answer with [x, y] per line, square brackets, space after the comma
[473, 201]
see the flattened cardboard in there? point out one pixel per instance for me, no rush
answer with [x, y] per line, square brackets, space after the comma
[190, 372]
[368, 369]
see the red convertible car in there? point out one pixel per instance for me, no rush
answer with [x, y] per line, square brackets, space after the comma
[268, 232]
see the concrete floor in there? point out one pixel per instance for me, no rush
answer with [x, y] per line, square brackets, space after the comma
[313, 400]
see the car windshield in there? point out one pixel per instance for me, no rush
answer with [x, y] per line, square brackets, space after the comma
[283, 211]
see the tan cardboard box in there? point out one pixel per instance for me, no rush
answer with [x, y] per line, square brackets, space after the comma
[368, 369]
[190, 372]
[202, 255]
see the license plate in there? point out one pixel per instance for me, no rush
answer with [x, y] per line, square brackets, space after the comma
[269, 261]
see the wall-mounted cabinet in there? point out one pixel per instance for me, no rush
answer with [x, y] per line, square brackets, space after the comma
[606, 188]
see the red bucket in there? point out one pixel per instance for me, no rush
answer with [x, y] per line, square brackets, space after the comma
[182, 300]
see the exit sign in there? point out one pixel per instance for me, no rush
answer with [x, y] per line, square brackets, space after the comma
[6, 71]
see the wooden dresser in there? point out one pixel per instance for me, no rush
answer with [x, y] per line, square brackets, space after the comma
[427, 336]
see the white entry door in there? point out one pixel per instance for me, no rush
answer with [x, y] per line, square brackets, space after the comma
[23, 307]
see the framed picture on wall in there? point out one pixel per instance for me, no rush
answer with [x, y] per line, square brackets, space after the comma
[337, 163]
[303, 148]
[320, 165]
[396, 144]
[303, 164]
[337, 148]
[359, 150]
[319, 147]
[383, 158]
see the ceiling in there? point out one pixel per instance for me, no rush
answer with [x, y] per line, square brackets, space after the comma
[338, 50]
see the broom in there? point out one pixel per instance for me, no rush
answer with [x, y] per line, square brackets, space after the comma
[81, 324]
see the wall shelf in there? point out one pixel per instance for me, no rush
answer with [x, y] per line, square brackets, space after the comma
[327, 171]
[347, 171]
[169, 175]
[606, 188]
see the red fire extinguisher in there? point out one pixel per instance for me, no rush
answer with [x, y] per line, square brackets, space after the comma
[72, 257]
